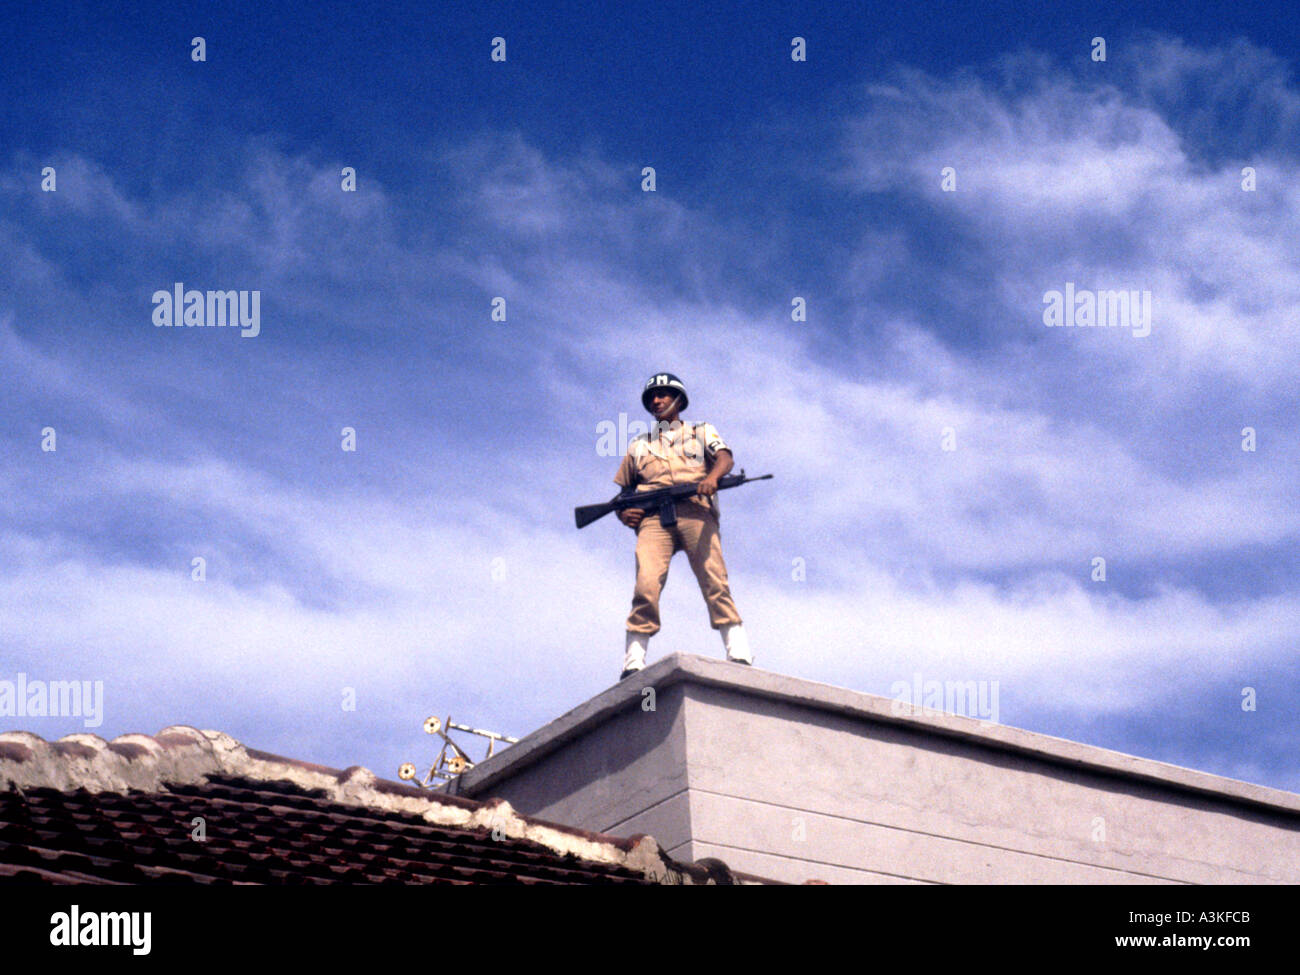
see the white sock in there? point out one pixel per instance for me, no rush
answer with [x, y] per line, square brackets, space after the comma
[736, 642]
[634, 655]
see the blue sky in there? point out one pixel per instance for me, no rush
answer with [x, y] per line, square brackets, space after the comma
[436, 568]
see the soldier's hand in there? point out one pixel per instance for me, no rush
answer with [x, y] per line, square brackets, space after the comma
[631, 517]
[707, 486]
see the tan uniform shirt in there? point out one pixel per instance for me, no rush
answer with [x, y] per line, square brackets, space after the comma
[680, 453]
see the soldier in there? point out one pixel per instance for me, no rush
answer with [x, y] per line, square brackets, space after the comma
[674, 452]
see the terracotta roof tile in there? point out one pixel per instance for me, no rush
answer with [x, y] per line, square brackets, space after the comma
[83, 810]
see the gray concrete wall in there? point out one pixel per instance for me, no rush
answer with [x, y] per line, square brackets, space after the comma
[624, 775]
[794, 780]
[828, 791]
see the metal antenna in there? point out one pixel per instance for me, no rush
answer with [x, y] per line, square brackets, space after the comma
[452, 760]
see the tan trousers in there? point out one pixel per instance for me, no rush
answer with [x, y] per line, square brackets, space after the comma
[696, 532]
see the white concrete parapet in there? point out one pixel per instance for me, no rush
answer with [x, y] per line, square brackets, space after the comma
[794, 780]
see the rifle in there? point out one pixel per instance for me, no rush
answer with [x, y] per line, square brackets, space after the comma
[665, 499]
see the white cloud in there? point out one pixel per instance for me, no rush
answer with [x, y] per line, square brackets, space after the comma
[1092, 184]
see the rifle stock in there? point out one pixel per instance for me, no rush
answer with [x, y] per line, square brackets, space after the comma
[585, 515]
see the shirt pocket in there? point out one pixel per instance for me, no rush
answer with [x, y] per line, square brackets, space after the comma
[651, 468]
